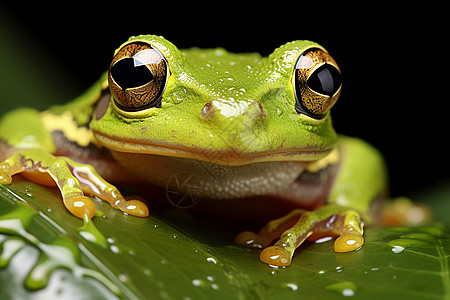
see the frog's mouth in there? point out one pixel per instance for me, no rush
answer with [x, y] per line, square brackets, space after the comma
[229, 157]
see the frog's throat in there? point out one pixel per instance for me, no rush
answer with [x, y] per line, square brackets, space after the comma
[230, 156]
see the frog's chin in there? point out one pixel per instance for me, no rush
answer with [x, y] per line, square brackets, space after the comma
[228, 157]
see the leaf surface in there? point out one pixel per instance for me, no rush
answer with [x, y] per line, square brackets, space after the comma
[173, 255]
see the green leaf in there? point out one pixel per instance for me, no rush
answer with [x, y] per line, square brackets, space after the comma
[46, 252]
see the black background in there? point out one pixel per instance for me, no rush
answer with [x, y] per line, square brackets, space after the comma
[393, 60]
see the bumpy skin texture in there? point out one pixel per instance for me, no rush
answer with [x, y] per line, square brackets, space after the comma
[230, 109]
[233, 122]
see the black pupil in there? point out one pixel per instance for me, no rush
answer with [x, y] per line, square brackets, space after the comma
[325, 80]
[127, 75]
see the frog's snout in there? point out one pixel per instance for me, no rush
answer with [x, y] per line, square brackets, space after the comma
[253, 112]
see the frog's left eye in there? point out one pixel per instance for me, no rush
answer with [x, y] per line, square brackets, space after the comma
[137, 77]
[317, 81]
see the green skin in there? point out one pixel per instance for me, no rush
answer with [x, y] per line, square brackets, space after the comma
[251, 126]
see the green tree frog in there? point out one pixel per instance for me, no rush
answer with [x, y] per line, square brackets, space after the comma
[243, 125]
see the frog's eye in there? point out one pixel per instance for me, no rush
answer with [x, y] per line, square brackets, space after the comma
[318, 82]
[137, 77]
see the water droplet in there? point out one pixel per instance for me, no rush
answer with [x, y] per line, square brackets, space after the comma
[61, 253]
[148, 272]
[10, 247]
[197, 282]
[397, 249]
[344, 288]
[124, 278]
[348, 292]
[291, 285]
[274, 266]
[88, 236]
[210, 259]
[90, 233]
[114, 249]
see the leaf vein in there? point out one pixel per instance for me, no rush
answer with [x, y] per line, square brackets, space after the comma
[445, 275]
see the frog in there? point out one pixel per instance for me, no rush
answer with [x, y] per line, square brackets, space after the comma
[242, 125]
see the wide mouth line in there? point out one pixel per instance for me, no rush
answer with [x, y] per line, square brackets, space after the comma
[230, 156]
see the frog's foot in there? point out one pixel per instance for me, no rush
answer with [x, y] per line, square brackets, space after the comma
[44, 168]
[270, 232]
[92, 183]
[402, 211]
[73, 180]
[329, 220]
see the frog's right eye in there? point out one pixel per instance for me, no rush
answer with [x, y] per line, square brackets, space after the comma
[137, 77]
[317, 81]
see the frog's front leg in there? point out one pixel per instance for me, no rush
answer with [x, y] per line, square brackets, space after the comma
[73, 180]
[329, 220]
[352, 178]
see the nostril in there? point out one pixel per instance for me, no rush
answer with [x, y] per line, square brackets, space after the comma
[256, 111]
[262, 111]
[208, 110]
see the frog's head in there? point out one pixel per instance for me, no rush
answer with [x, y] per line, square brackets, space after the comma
[219, 107]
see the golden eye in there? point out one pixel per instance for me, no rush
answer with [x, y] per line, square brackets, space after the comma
[318, 83]
[137, 77]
